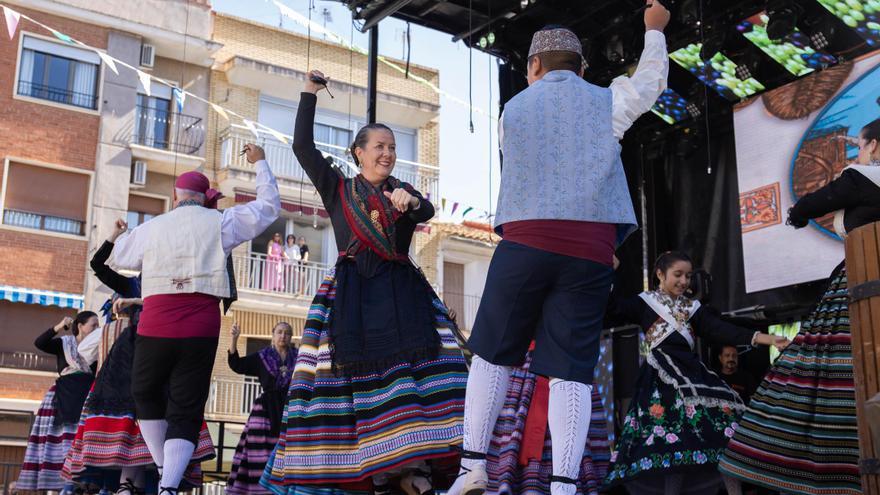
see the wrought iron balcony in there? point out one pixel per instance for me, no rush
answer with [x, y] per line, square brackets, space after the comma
[158, 128]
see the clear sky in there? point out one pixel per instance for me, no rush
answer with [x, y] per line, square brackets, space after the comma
[464, 157]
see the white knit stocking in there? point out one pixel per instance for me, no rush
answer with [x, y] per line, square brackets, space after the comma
[153, 431]
[486, 390]
[568, 415]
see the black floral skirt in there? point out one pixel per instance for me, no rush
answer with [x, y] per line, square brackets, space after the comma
[668, 430]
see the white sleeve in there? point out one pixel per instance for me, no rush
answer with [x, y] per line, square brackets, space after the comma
[242, 223]
[128, 250]
[635, 95]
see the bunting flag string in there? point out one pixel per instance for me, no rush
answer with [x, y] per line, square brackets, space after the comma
[13, 19]
[349, 44]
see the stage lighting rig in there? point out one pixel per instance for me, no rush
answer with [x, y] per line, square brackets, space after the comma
[784, 16]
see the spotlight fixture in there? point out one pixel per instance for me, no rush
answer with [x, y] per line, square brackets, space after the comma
[483, 42]
[523, 4]
[784, 17]
[614, 49]
[491, 38]
[712, 45]
[820, 31]
[742, 72]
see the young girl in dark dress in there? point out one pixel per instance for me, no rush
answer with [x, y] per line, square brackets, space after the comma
[273, 366]
[682, 414]
[378, 387]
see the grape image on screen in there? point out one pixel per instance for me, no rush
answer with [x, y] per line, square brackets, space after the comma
[719, 72]
[792, 52]
[670, 107]
[863, 16]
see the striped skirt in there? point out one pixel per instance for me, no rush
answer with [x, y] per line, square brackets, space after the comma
[342, 430]
[252, 453]
[508, 476]
[799, 434]
[46, 448]
[106, 442]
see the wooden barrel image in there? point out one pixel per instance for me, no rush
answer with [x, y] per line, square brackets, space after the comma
[863, 281]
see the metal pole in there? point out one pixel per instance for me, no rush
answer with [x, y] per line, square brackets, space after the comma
[372, 74]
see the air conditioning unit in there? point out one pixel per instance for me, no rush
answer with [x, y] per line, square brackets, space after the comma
[139, 173]
[148, 55]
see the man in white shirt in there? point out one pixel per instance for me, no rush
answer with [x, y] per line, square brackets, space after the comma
[563, 208]
[182, 256]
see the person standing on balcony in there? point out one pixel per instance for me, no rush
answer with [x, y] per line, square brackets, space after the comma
[563, 207]
[291, 250]
[378, 387]
[303, 264]
[273, 366]
[183, 256]
[273, 278]
[108, 451]
[57, 418]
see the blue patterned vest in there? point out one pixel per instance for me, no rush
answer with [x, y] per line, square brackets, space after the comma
[561, 159]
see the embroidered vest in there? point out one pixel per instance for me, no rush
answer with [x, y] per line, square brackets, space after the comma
[184, 254]
[561, 159]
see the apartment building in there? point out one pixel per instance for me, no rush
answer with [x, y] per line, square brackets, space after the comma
[82, 146]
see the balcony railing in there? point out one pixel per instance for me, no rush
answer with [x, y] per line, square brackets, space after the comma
[232, 396]
[425, 178]
[299, 279]
[38, 221]
[27, 361]
[57, 95]
[465, 307]
[164, 130]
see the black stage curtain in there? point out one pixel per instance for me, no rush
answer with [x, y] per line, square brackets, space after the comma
[692, 210]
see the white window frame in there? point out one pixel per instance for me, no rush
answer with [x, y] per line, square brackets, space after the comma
[52, 166]
[62, 50]
[165, 199]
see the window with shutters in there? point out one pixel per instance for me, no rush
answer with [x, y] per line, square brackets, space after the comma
[47, 198]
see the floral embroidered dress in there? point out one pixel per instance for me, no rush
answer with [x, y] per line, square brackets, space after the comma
[682, 414]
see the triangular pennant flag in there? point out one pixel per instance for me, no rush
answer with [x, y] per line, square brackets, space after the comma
[110, 61]
[454, 207]
[251, 127]
[443, 204]
[466, 211]
[12, 18]
[179, 97]
[279, 136]
[63, 37]
[145, 81]
[222, 111]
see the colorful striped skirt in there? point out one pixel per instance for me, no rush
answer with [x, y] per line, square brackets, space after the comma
[799, 434]
[252, 453]
[341, 430]
[46, 448]
[108, 437]
[507, 475]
